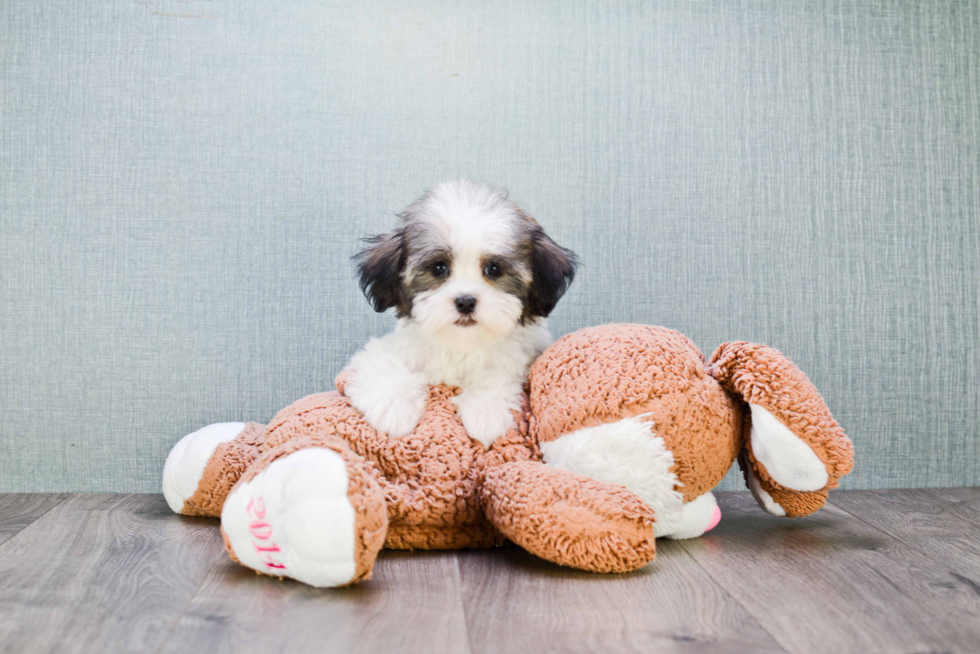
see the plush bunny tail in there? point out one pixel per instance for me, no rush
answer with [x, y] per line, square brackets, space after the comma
[794, 451]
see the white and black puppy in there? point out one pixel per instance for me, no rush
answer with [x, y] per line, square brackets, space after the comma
[471, 277]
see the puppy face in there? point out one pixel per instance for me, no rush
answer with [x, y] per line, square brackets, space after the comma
[467, 265]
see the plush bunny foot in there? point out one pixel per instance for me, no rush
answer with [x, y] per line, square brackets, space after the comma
[569, 519]
[312, 514]
[204, 465]
[628, 453]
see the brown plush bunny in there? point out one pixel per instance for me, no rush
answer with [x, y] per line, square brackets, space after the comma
[624, 432]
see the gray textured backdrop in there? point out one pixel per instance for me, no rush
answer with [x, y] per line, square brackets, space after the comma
[182, 184]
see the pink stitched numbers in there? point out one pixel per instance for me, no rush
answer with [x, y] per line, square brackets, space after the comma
[262, 531]
[256, 509]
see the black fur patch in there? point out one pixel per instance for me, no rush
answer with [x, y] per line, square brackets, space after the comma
[380, 268]
[552, 268]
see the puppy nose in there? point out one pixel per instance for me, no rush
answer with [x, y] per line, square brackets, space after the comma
[465, 304]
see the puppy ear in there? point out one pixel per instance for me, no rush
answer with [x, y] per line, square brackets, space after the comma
[380, 267]
[553, 269]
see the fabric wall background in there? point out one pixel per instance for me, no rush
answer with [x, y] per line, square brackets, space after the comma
[182, 185]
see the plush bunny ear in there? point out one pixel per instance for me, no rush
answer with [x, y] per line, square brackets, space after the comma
[380, 267]
[552, 269]
[794, 451]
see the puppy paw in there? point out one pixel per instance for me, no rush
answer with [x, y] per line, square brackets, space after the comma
[395, 415]
[392, 404]
[484, 420]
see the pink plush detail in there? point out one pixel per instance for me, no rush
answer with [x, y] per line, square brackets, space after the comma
[715, 519]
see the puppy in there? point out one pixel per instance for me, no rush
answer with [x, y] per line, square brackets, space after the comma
[471, 278]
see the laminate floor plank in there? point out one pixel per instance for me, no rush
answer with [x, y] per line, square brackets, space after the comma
[967, 499]
[17, 510]
[102, 573]
[833, 583]
[875, 571]
[516, 602]
[944, 524]
[412, 604]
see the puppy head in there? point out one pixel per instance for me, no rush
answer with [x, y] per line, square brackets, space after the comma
[467, 265]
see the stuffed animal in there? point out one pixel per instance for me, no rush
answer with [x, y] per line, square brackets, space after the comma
[624, 432]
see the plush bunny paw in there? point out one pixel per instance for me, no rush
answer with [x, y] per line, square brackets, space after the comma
[204, 466]
[313, 515]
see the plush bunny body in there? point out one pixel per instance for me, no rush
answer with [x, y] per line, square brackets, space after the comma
[624, 432]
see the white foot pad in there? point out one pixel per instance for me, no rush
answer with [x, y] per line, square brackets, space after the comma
[788, 460]
[186, 461]
[294, 519]
[700, 515]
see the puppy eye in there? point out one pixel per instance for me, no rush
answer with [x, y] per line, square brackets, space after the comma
[439, 269]
[492, 271]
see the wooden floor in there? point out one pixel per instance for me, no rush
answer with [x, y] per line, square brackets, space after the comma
[875, 571]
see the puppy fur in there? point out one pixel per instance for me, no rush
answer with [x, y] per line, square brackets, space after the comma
[471, 278]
